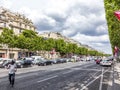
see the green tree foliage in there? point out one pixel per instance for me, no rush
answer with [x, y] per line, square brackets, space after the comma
[48, 43]
[29, 34]
[113, 23]
[8, 37]
[60, 46]
[29, 40]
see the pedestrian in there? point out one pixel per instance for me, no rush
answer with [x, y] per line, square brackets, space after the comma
[12, 69]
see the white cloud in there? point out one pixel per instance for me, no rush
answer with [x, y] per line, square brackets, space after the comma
[5, 3]
[37, 16]
[98, 42]
[102, 29]
[87, 39]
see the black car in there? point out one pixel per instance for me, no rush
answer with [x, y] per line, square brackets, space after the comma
[24, 63]
[44, 62]
[58, 61]
[53, 61]
[63, 60]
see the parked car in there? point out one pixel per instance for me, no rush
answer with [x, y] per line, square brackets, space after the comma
[24, 63]
[19, 63]
[54, 61]
[44, 62]
[106, 62]
[1, 63]
[5, 62]
[58, 61]
[63, 60]
[36, 59]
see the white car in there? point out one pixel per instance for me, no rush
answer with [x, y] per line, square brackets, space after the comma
[106, 62]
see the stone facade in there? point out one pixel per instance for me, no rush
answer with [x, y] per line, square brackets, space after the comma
[56, 35]
[14, 21]
[17, 23]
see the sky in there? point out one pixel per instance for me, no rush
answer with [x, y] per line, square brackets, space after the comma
[81, 20]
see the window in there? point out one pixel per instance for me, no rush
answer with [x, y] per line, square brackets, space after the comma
[4, 24]
[20, 31]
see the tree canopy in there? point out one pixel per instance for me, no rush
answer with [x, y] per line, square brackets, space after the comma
[29, 40]
[113, 23]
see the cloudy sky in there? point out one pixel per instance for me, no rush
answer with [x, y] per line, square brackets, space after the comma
[82, 20]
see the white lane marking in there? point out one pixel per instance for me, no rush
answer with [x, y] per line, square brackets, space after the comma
[95, 74]
[47, 79]
[68, 72]
[86, 69]
[92, 81]
[101, 80]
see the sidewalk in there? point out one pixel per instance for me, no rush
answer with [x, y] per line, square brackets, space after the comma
[117, 76]
[114, 82]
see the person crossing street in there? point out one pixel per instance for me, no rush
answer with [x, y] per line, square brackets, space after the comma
[12, 69]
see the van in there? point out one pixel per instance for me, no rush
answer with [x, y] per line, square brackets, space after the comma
[36, 59]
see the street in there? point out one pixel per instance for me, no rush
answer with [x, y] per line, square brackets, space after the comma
[68, 76]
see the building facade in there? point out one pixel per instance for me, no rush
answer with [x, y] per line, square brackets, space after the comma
[17, 23]
[56, 35]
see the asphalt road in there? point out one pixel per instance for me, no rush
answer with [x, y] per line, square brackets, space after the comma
[70, 76]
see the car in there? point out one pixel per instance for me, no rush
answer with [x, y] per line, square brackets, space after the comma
[19, 63]
[54, 61]
[24, 63]
[5, 62]
[98, 61]
[58, 61]
[44, 62]
[1, 63]
[106, 62]
[36, 59]
[63, 60]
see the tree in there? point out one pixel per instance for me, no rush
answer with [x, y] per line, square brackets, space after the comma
[8, 37]
[60, 46]
[113, 23]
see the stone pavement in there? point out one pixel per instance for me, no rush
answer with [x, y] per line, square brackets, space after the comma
[117, 76]
[114, 82]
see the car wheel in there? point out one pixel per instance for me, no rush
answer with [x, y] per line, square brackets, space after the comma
[21, 66]
[51, 63]
[32, 65]
[45, 64]
[4, 66]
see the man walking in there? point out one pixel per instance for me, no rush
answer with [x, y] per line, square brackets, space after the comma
[12, 69]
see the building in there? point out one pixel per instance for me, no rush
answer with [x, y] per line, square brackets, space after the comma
[56, 35]
[17, 23]
[14, 21]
